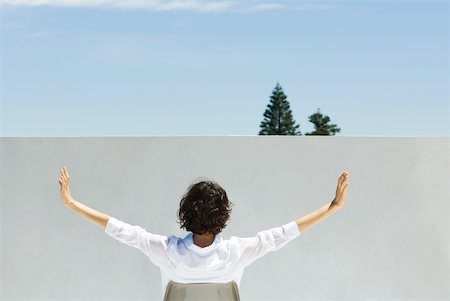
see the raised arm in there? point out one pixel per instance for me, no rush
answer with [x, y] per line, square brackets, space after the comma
[322, 213]
[92, 215]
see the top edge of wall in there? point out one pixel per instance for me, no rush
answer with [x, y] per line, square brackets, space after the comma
[222, 136]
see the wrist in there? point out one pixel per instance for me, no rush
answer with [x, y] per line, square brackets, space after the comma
[69, 202]
[335, 204]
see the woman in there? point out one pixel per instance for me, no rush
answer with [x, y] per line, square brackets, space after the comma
[202, 255]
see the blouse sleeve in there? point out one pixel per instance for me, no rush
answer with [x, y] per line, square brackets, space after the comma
[152, 245]
[252, 248]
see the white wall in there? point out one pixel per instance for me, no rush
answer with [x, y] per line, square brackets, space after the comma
[391, 240]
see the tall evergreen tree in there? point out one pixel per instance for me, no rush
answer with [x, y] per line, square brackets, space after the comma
[278, 116]
[321, 125]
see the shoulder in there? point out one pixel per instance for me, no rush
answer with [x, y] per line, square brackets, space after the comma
[173, 238]
[176, 241]
[239, 242]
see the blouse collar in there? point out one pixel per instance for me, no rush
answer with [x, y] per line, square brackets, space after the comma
[190, 244]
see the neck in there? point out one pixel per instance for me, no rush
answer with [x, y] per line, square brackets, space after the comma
[203, 240]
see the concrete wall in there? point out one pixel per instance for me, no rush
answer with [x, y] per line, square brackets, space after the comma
[390, 241]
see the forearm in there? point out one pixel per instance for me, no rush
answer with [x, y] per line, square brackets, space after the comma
[316, 216]
[90, 214]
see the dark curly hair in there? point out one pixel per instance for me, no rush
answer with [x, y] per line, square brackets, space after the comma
[204, 208]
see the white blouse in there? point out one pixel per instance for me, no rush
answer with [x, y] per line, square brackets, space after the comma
[180, 260]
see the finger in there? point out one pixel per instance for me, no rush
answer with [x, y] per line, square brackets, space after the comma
[66, 173]
[344, 177]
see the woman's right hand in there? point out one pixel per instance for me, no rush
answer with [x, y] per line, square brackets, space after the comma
[64, 187]
[341, 190]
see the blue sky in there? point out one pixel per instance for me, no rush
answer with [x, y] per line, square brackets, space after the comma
[176, 68]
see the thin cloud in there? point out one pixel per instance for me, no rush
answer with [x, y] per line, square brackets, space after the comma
[13, 25]
[263, 6]
[314, 6]
[90, 3]
[292, 6]
[156, 5]
[170, 5]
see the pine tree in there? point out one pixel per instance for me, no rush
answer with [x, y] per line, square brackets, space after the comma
[321, 125]
[278, 116]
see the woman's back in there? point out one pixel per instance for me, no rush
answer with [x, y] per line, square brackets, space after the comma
[180, 260]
